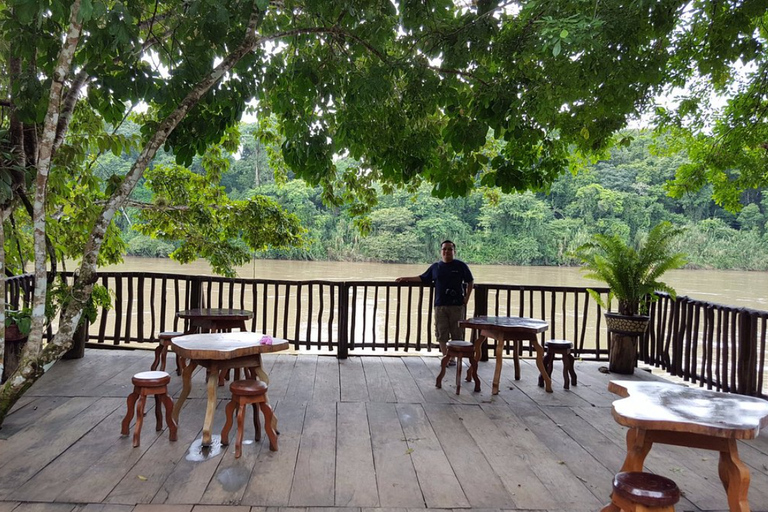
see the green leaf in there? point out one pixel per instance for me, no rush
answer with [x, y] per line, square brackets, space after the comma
[563, 34]
[556, 49]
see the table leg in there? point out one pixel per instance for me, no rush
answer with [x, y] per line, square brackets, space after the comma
[638, 446]
[499, 360]
[186, 379]
[540, 364]
[735, 477]
[213, 385]
[260, 371]
[516, 356]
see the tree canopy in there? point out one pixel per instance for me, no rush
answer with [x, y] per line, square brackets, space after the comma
[455, 94]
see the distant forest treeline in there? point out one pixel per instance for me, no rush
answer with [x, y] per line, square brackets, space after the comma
[624, 194]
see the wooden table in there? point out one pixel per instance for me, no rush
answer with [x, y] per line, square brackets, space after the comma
[514, 329]
[660, 412]
[216, 352]
[215, 319]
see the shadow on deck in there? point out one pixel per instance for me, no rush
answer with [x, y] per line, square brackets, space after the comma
[357, 434]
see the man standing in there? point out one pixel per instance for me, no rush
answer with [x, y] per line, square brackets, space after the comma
[453, 286]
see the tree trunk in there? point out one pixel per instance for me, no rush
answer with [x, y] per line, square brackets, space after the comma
[78, 343]
[622, 356]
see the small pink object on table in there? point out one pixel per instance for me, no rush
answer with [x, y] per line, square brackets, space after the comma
[266, 340]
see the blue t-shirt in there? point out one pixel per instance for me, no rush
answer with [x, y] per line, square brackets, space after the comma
[449, 279]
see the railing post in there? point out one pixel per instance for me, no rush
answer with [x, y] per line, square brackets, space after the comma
[343, 332]
[747, 354]
[480, 297]
[194, 294]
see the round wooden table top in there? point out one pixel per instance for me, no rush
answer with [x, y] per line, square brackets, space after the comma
[669, 406]
[215, 314]
[225, 345]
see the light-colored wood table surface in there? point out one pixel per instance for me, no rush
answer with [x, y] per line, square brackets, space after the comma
[217, 352]
[215, 319]
[658, 412]
[514, 329]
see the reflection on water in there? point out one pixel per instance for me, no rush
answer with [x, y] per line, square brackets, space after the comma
[198, 453]
[736, 288]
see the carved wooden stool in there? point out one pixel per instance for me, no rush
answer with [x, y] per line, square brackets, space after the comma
[244, 392]
[459, 349]
[161, 352]
[145, 384]
[642, 492]
[562, 347]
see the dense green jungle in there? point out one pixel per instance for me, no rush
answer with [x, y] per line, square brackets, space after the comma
[624, 194]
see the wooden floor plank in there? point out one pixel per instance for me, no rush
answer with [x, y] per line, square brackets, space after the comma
[302, 382]
[372, 434]
[395, 474]
[313, 482]
[532, 445]
[439, 484]
[355, 471]
[352, 377]
[37, 447]
[327, 387]
[272, 475]
[377, 381]
[187, 481]
[93, 466]
[147, 478]
[280, 374]
[482, 487]
[404, 386]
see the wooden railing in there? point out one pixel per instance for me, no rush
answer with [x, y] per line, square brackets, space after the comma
[716, 346]
[720, 347]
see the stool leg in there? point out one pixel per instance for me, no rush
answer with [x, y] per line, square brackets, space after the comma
[571, 368]
[158, 413]
[268, 415]
[458, 374]
[181, 363]
[256, 424]
[139, 419]
[240, 429]
[172, 427]
[566, 377]
[473, 371]
[158, 351]
[547, 366]
[164, 354]
[228, 414]
[129, 415]
[443, 366]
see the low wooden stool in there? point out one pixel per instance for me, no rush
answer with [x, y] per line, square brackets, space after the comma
[562, 347]
[642, 492]
[244, 392]
[145, 384]
[459, 349]
[161, 352]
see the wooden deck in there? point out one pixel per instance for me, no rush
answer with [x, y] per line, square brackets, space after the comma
[358, 434]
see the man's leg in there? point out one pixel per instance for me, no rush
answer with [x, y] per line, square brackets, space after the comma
[455, 315]
[442, 327]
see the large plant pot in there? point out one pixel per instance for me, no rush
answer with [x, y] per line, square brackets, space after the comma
[14, 344]
[624, 332]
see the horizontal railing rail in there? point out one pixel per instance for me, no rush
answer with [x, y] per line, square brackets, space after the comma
[713, 345]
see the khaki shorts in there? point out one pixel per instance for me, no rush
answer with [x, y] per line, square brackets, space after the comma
[447, 320]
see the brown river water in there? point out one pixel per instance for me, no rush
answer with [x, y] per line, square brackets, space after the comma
[734, 288]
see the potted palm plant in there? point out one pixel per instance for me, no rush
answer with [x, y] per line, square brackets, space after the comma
[632, 273]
